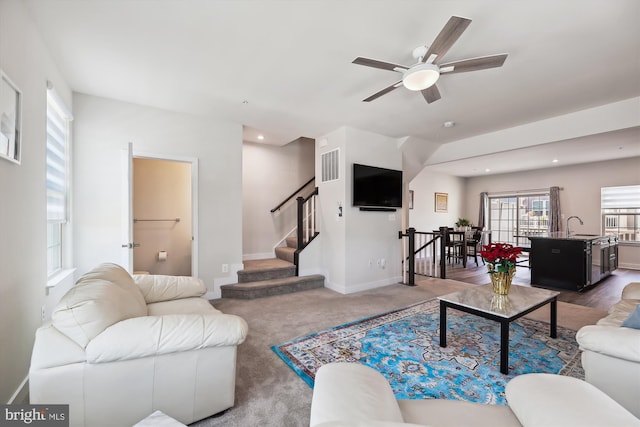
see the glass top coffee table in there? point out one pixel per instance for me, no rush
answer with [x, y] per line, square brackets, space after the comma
[504, 309]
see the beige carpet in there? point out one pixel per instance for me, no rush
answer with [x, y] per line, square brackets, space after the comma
[269, 393]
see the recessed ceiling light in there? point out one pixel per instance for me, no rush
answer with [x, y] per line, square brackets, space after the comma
[487, 170]
[260, 137]
[554, 161]
[449, 124]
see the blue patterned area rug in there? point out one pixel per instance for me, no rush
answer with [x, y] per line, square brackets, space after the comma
[404, 346]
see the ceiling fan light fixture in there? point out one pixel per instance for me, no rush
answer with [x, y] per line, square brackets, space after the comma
[421, 76]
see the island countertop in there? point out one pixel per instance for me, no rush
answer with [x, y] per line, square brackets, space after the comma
[563, 236]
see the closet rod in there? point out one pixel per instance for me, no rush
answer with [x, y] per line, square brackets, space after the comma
[172, 219]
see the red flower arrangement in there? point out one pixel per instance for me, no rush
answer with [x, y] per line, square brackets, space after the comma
[501, 257]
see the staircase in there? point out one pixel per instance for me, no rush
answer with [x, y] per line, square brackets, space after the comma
[273, 276]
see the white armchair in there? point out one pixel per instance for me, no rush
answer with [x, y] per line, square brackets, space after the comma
[119, 348]
[611, 353]
[354, 395]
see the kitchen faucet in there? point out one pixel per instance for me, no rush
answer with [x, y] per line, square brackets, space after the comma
[569, 231]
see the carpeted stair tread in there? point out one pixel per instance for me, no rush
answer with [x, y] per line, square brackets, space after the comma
[285, 253]
[265, 269]
[265, 288]
[292, 242]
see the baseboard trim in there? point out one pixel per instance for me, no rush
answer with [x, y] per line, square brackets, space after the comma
[363, 286]
[21, 393]
[629, 266]
[262, 255]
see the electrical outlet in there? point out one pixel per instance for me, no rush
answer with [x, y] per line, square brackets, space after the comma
[43, 313]
[225, 268]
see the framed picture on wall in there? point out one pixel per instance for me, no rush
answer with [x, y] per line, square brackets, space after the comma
[10, 117]
[442, 201]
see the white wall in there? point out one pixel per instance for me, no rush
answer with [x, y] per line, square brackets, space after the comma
[423, 216]
[103, 129]
[353, 245]
[23, 239]
[580, 195]
[269, 175]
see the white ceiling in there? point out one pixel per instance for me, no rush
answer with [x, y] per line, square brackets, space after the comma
[283, 68]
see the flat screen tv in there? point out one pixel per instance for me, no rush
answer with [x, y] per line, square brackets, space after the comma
[375, 187]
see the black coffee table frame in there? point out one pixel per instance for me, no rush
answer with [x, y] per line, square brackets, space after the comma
[504, 324]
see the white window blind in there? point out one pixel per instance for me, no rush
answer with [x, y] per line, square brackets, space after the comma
[57, 181]
[58, 119]
[625, 197]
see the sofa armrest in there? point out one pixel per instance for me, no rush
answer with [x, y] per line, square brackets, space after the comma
[52, 348]
[157, 287]
[352, 394]
[623, 343]
[631, 291]
[155, 335]
[542, 400]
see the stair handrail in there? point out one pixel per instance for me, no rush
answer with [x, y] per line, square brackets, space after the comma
[293, 194]
[301, 217]
[412, 251]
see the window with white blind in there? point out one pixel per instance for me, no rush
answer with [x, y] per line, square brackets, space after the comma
[621, 213]
[58, 139]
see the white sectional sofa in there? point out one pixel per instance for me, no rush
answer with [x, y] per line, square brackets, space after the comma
[354, 395]
[611, 353]
[119, 348]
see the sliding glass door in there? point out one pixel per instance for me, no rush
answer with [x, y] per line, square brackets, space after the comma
[512, 218]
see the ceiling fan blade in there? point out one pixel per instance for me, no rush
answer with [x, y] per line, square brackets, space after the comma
[473, 64]
[383, 91]
[431, 94]
[378, 64]
[447, 37]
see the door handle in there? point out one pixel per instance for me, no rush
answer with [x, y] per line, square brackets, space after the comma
[131, 245]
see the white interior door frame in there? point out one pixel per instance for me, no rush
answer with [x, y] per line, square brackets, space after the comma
[193, 161]
[127, 208]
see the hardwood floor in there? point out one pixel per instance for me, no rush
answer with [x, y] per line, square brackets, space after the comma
[603, 295]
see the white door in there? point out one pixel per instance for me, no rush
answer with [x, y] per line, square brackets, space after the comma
[127, 209]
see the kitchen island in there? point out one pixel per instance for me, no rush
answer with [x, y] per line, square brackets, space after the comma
[572, 262]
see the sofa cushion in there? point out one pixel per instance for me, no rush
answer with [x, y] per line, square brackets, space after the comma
[117, 275]
[618, 313]
[456, 413]
[157, 288]
[155, 335]
[93, 305]
[633, 321]
[196, 305]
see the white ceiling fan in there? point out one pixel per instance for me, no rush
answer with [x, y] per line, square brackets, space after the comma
[424, 74]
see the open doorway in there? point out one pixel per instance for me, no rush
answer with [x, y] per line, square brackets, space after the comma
[163, 226]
